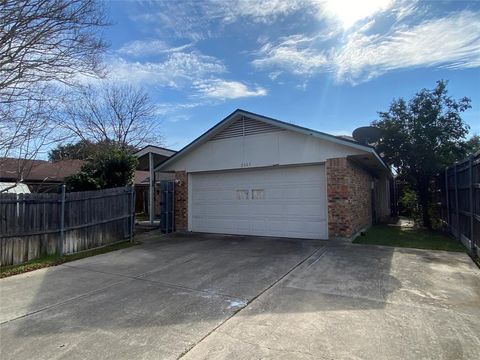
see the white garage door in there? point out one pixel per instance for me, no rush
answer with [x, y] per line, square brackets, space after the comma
[284, 202]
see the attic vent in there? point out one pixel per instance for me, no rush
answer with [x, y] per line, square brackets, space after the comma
[245, 126]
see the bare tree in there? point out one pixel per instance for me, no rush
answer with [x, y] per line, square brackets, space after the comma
[45, 40]
[119, 114]
[43, 44]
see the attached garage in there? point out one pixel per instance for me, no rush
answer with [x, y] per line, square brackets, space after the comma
[280, 201]
[253, 175]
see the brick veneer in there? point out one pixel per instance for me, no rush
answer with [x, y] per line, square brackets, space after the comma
[181, 201]
[348, 194]
[349, 198]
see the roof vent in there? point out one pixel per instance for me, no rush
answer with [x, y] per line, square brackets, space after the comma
[245, 126]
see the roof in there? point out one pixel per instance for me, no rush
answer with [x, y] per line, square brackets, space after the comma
[38, 170]
[282, 124]
[45, 171]
[154, 149]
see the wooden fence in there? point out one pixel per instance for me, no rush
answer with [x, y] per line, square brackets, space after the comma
[458, 197]
[34, 225]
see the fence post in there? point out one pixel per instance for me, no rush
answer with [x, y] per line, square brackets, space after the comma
[62, 220]
[457, 214]
[132, 211]
[447, 198]
[472, 216]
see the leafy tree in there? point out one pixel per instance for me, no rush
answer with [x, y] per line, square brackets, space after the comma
[423, 136]
[472, 145]
[105, 170]
[82, 150]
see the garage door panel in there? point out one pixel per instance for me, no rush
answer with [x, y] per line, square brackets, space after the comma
[283, 202]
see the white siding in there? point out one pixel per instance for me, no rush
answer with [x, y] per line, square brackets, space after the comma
[275, 148]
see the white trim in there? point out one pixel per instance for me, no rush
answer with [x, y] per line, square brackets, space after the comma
[155, 150]
[189, 202]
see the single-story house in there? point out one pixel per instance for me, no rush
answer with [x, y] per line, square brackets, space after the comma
[254, 175]
[147, 191]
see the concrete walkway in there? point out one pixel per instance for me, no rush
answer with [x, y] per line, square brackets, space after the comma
[231, 297]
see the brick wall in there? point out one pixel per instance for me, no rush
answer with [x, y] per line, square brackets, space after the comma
[349, 198]
[181, 201]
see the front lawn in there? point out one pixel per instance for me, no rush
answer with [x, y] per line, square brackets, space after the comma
[53, 260]
[409, 238]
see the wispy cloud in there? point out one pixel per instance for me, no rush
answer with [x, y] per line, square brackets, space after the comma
[226, 89]
[451, 42]
[294, 53]
[177, 70]
[139, 48]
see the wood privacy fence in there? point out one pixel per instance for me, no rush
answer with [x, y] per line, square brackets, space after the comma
[458, 197]
[34, 225]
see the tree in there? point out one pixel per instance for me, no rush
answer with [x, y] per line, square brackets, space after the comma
[107, 169]
[82, 150]
[422, 137]
[472, 145]
[112, 113]
[43, 43]
[46, 40]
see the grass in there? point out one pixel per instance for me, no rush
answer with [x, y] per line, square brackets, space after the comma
[408, 238]
[53, 260]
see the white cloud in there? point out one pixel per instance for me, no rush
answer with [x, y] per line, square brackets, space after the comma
[140, 48]
[225, 89]
[349, 12]
[294, 53]
[179, 69]
[452, 42]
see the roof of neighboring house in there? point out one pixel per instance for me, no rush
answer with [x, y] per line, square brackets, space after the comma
[282, 124]
[141, 177]
[38, 170]
[47, 172]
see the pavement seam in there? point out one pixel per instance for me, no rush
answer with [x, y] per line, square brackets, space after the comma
[323, 249]
[141, 277]
[64, 301]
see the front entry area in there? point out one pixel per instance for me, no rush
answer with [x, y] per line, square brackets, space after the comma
[276, 201]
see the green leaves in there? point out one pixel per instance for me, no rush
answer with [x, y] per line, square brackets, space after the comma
[114, 167]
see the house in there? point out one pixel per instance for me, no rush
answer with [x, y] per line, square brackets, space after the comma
[254, 175]
[45, 176]
[146, 188]
[39, 175]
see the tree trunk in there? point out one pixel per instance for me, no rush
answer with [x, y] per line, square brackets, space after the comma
[424, 199]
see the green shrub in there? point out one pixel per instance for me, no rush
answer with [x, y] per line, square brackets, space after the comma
[111, 168]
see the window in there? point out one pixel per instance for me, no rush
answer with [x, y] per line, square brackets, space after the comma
[258, 194]
[242, 194]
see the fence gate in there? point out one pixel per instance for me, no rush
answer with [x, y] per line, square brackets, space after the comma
[167, 214]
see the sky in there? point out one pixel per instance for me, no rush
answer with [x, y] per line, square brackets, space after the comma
[328, 65]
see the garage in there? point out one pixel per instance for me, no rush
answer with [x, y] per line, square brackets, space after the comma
[279, 201]
[254, 175]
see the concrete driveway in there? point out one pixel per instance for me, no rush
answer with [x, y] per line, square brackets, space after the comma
[231, 297]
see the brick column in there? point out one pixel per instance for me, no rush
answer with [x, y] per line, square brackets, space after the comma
[349, 198]
[339, 220]
[181, 201]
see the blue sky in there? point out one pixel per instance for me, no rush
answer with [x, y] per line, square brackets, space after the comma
[329, 65]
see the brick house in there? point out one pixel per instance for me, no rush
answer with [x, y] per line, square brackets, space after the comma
[253, 175]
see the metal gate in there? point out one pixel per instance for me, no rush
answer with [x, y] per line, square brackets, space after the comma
[167, 214]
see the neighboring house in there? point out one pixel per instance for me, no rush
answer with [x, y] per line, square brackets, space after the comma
[150, 157]
[39, 175]
[253, 175]
[45, 176]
